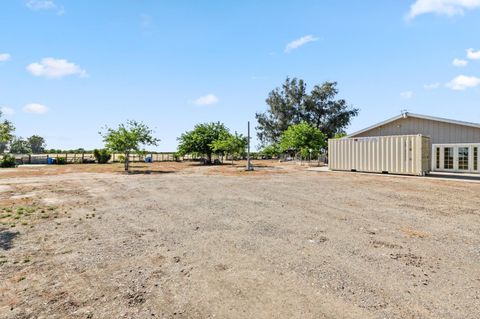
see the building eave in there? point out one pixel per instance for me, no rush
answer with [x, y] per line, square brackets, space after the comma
[418, 116]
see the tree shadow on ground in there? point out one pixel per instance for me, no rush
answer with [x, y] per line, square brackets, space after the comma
[6, 239]
[148, 172]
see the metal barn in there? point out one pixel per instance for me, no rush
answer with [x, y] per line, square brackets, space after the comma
[455, 145]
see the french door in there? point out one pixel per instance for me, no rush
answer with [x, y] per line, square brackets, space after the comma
[456, 158]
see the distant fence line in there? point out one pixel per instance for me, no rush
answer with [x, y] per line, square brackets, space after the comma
[85, 158]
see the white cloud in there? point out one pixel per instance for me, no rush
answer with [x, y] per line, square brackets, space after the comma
[45, 5]
[4, 57]
[473, 55]
[208, 99]
[406, 94]
[55, 68]
[5, 110]
[41, 4]
[431, 86]
[35, 108]
[295, 44]
[463, 82]
[459, 63]
[442, 7]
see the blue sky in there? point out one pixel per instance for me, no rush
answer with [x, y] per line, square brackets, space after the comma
[67, 67]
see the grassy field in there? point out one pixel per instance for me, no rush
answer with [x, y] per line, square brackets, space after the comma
[180, 240]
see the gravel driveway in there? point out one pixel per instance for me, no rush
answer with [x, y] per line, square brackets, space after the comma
[197, 242]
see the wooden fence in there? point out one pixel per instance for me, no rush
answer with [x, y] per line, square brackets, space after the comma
[86, 158]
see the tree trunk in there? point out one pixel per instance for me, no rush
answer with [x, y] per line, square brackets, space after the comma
[127, 156]
[209, 158]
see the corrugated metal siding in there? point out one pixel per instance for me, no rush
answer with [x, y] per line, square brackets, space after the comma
[407, 154]
[439, 132]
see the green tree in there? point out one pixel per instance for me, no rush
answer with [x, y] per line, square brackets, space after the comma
[291, 104]
[199, 141]
[102, 156]
[37, 144]
[19, 145]
[128, 138]
[272, 150]
[305, 139]
[233, 145]
[340, 135]
[6, 133]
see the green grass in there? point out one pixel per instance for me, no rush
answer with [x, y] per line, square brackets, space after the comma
[24, 215]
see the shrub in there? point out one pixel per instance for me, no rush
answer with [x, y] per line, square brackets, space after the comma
[102, 156]
[7, 161]
[61, 160]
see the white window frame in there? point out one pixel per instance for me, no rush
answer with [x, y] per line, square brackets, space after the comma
[455, 147]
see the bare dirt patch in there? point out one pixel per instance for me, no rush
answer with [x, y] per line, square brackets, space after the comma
[177, 240]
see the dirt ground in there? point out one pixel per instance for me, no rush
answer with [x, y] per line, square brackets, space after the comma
[175, 240]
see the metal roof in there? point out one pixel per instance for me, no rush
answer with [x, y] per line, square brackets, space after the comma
[418, 116]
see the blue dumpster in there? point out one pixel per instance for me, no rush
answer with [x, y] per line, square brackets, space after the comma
[51, 160]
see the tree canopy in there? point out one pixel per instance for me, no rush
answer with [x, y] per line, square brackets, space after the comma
[303, 138]
[37, 144]
[199, 141]
[271, 150]
[6, 133]
[127, 138]
[291, 104]
[230, 144]
[19, 145]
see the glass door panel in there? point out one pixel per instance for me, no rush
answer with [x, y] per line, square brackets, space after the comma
[448, 158]
[463, 158]
[437, 157]
[475, 158]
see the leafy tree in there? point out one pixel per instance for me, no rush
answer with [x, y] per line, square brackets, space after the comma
[229, 144]
[128, 138]
[272, 150]
[19, 145]
[6, 133]
[37, 144]
[200, 140]
[340, 135]
[291, 104]
[102, 156]
[304, 139]
[55, 151]
[7, 161]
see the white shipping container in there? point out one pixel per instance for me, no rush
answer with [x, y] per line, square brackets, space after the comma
[402, 154]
